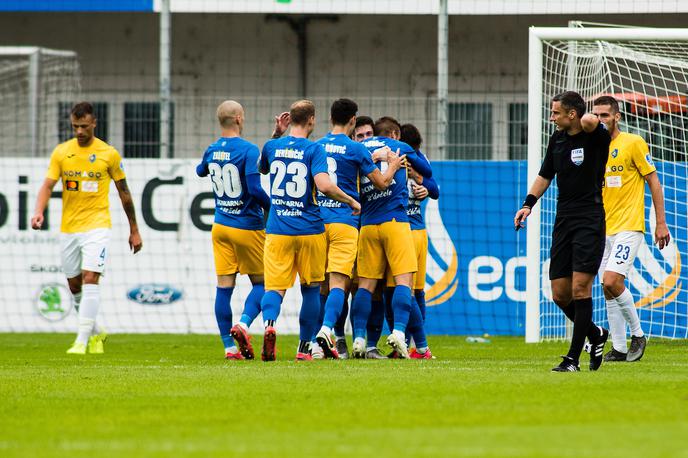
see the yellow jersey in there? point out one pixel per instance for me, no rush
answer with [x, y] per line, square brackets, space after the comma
[623, 190]
[85, 173]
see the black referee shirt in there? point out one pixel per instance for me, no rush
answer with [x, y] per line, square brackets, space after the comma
[579, 163]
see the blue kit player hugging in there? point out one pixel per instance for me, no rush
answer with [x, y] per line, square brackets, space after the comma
[295, 241]
[384, 241]
[238, 232]
[346, 161]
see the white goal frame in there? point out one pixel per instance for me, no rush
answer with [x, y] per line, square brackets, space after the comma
[33, 54]
[535, 112]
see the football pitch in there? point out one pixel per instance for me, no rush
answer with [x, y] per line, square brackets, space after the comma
[174, 395]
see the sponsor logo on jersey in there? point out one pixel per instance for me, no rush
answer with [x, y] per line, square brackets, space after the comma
[615, 152]
[92, 158]
[89, 186]
[154, 294]
[577, 156]
[53, 301]
[648, 158]
[71, 185]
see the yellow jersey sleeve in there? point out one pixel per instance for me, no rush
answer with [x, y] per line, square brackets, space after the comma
[116, 166]
[55, 166]
[642, 158]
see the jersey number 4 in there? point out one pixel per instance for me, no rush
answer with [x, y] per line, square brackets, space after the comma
[226, 180]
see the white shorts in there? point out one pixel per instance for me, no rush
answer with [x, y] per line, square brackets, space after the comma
[84, 251]
[619, 252]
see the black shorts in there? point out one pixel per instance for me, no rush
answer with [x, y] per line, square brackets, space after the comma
[577, 243]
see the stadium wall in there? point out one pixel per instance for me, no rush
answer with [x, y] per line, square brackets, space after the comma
[375, 59]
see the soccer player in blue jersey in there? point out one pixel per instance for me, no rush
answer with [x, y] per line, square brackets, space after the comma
[419, 189]
[385, 239]
[346, 161]
[238, 232]
[296, 240]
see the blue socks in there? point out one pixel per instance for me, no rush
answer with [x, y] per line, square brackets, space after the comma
[416, 329]
[252, 304]
[420, 299]
[333, 307]
[360, 311]
[375, 320]
[401, 305]
[271, 304]
[310, 310]
[223, 314]
[341, 321]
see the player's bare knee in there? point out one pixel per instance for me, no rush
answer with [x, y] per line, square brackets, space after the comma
[581, 290]
[257, 279]
[90, 278]
[338, 280]
[226, 281]
[75, 284]
[562, 298]
[404, 280]
[613, 284]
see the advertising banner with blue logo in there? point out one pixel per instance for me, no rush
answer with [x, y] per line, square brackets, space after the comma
[476, 274]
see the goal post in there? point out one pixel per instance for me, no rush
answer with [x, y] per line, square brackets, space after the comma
[33, 81]
[646, 69]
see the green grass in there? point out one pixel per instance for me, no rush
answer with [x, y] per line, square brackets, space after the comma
[171, 395]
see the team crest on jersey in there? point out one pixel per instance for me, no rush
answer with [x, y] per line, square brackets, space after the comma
[92, 158]
[615, 152]
[577, 156]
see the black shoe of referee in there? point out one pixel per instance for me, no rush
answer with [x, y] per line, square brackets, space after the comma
[597, 350]
[567, 365]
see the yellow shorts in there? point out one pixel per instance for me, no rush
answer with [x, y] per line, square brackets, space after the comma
[420, 244]
[385, 244]
[342, 244]
[285, 255]
[237, 250]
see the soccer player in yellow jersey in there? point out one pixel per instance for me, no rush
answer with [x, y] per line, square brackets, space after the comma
[85, 165]
[628, 168]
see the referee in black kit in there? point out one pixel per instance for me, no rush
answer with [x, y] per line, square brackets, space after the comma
[577, 155]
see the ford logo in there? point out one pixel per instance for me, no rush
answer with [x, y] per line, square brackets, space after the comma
[154, 294]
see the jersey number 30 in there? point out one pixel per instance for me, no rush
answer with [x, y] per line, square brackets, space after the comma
[226, 180]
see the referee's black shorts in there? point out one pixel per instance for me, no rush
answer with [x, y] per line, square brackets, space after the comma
[577, 243]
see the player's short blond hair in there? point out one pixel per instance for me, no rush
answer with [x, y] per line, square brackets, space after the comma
[228, 112]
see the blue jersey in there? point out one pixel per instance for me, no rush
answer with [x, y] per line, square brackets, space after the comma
[378, 207]
[345, 158]
[293, 162]
[413, 210]
[229, 161]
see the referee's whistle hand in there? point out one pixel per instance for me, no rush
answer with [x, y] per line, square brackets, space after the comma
[520, 218]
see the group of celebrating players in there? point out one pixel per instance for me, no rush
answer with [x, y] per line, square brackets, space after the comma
[337, 208]
[344, 213]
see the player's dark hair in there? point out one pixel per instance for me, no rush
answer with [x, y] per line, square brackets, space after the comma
[342, 111]
[364, 121]
[301, 111]
[411, 135]
[82, 109]
[570, 100]
[385, 126]
[607, 100]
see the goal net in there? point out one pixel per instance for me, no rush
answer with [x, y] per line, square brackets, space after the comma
[647, 71]
[36, 84]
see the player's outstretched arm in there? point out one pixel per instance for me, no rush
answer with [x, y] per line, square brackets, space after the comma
[420, 164]
[589, 122]
[662, 236]
[538, 188]
[42, 202]
[135, 242]
[380, 180]
[331, 190]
